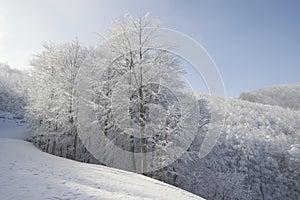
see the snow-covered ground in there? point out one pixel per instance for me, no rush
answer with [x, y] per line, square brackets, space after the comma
[13, 128]
[28, 173]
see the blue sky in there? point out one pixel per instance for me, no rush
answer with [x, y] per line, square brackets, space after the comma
[254, 43]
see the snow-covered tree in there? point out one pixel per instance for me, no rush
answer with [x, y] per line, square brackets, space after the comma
[51, 89]
[137, 91]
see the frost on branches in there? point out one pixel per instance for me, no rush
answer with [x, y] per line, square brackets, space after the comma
[136, 93]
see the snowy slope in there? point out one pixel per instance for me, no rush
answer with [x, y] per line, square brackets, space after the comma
[13, 128]
[286, 96]
[28, 173]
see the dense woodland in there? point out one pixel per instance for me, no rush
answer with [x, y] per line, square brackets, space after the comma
[257, 155]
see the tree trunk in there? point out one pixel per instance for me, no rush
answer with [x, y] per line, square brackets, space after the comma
[75, 142]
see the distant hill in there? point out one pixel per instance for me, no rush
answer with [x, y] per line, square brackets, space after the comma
[287, 96]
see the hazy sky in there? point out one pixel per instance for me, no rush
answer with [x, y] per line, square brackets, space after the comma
[254, 43]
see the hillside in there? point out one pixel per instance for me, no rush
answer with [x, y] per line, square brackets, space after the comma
[256, 156]
[28, 173]
[287, 96]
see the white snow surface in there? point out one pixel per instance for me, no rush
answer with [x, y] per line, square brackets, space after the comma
[28, 173]
[13, 128]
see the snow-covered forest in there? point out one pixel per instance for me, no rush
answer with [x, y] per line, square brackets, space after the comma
[286, 96]
[12, 90]
[257, 155]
